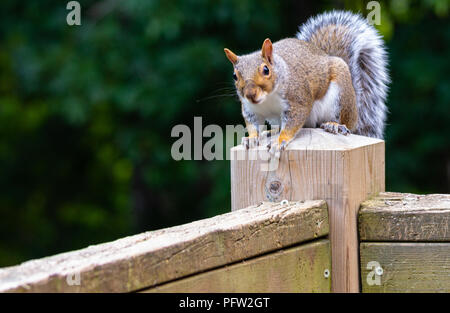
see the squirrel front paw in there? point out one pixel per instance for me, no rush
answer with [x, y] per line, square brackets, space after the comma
[266, 136]
[275, 148]
[250, 142]
[335, 128]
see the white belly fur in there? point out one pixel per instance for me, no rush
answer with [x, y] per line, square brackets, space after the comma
[270, 109]
[324, 110]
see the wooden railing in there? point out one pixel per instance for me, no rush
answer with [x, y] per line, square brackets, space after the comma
[304, 240]
[268, 247]
[405, 243]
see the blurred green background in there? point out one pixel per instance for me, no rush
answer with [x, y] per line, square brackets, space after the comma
[86, 111]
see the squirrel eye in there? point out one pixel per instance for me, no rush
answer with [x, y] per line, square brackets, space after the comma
[234, 76]
[266, 70]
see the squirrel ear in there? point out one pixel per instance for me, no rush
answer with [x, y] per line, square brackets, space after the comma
[266, 50]
[231, 56]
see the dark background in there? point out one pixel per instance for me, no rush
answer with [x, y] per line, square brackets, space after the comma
[86, 111]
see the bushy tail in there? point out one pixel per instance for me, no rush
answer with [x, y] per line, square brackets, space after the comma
[349, 36]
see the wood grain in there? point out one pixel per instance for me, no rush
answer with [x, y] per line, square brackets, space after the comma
[405, 217]
[298, 269]
[407, 267]
[155, 257]
[342, 170]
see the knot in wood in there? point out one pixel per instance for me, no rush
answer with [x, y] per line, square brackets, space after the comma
[274, 189]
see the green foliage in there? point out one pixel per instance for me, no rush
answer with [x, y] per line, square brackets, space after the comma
[86, 111]
[418, 141]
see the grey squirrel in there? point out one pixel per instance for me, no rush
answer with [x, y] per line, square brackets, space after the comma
[332, 75]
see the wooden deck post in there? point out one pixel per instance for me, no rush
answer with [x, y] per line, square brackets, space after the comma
[342, 170]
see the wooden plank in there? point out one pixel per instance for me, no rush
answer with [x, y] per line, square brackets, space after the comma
[151, 258]
[407, 267]
[405, 217]
[342, 170]
[298, 269]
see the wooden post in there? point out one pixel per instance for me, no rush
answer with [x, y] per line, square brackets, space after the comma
[342, 170]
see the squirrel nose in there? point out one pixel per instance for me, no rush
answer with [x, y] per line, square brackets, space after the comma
[251, 96]
[250, 92]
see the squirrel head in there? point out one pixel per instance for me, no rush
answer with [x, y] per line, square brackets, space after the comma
[254, 73]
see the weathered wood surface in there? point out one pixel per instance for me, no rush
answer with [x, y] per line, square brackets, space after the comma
[407, 267]
[155, 257]
[342, 170]
[405, 217]
[298, 269]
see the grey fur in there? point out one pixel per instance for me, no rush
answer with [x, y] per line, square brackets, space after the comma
[367, 59]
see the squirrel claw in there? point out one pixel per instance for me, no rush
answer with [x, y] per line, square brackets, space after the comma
[335, 128]
[275, 151]
[250, 142]
[343, 130]
[276, 148]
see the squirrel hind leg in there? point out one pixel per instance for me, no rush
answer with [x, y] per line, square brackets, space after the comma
[335, 128]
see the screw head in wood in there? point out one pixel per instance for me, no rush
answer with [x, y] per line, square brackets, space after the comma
[379, 270]
[275, 187]
[284, 202]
